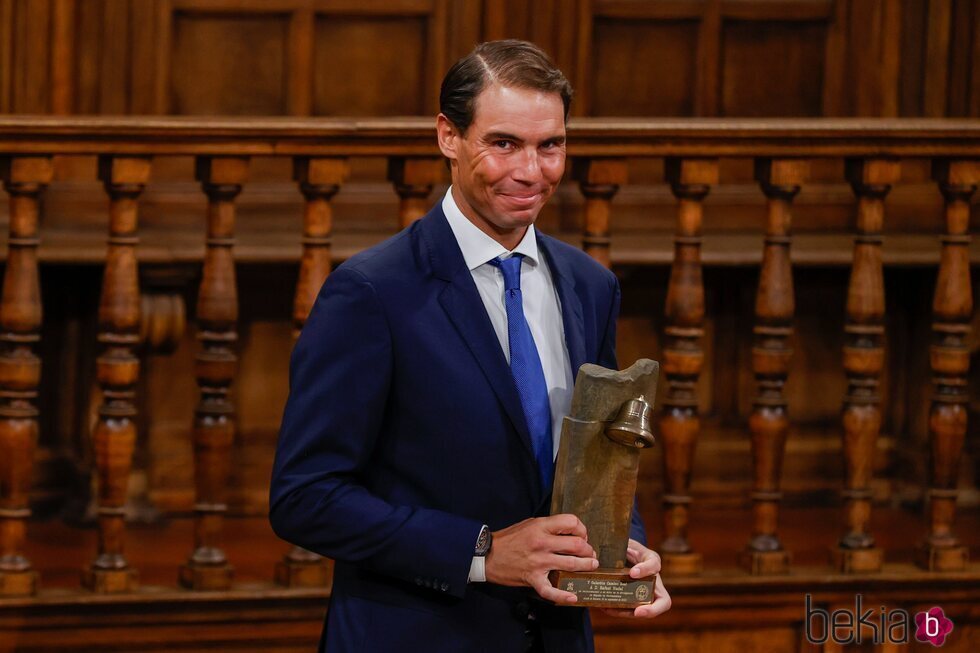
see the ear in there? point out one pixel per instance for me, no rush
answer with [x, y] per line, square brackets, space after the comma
[448, 136]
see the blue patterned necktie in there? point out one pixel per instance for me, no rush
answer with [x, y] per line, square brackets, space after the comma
[525, 366]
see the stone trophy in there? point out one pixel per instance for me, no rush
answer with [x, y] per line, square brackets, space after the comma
[595, 477]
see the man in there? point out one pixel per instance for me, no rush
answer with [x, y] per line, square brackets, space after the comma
[428, 387]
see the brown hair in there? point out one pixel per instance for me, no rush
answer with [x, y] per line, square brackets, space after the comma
[508, 63]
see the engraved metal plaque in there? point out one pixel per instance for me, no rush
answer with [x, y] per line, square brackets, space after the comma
[607, 589]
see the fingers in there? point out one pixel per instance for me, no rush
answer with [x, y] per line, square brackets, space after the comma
[524, 553]
[645, 562]
[570, 545]
[544, 589]
[565, 524]
[572, 563]
[661, 604]
[655, 609]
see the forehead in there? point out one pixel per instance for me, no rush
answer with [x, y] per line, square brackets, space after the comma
[518, 111]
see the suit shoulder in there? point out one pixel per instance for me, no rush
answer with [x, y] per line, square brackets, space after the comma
[584, 267]
[385, 260]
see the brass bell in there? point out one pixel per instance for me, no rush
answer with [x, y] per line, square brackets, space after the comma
[632, 426]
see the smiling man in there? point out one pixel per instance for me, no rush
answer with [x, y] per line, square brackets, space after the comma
[428, 387]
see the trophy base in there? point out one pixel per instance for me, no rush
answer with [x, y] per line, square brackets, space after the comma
[856, 561]
[945, 558]
[605, 588]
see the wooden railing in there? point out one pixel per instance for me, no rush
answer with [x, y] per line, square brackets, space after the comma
[600, 153]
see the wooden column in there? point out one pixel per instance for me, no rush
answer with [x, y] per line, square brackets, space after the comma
[117, 371]
[690, 181]
[217, 362]
[864, 357]
[24, 178]
[780, 180]
[319, 180]
[414, 178]
[599, 180]
[949, 357]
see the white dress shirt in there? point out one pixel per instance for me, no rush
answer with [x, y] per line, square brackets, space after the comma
[542, 310]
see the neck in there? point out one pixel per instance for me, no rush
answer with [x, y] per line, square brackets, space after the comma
[508, 238]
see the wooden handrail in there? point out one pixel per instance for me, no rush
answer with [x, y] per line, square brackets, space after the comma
[414, 136]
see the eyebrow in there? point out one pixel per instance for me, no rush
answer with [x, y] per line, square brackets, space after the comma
[504, 136]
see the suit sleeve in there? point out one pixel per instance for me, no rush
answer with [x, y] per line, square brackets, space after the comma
[339, 377]
[607, 358]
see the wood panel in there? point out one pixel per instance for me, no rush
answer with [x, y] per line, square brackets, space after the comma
[661, 57]
[791, 80]
[229, 65]
[390, 51]
[643, 68]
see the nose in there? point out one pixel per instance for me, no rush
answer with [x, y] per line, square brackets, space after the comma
[527, 168]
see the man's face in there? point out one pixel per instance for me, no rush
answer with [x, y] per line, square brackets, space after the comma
[510, 160]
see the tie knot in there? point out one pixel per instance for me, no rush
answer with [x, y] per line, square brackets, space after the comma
[511, 268]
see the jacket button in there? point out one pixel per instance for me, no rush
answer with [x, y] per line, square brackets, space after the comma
[444, 587]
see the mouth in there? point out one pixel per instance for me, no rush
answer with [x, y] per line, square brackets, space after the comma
[521, 200]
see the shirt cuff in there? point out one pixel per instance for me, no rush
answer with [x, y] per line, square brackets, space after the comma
[478, 570]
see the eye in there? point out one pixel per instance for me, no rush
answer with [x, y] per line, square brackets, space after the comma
[502, 144]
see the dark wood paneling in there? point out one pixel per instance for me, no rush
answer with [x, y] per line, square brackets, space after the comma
[30, 61]
[643, 68]
[790, 56]
[229, 64]
[680, 57]
[389, 51]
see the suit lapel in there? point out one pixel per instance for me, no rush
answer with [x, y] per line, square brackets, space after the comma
[462, 303]
[571, 305]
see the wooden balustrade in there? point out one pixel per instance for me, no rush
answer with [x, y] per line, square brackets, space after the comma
[683, 356]
[413, 178]
[208, 568]
[117, 370]
[600, 152]
[949, 359]
[24, 178]
[599, 179]
[864, 358]
[780, 180]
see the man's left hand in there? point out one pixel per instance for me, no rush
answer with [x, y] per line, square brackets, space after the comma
[645, 563]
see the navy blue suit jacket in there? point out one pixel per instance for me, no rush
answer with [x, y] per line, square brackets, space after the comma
[403, 434]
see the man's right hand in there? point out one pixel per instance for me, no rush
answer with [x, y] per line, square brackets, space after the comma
[523, 554]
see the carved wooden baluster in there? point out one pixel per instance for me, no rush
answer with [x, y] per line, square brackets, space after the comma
[414, 178]
[117, 370]
[20, 368]
[214, 428]
[690, 180]
[864, 357]
[599, 180]
[319, 179]
[780, 180]
[949, 356]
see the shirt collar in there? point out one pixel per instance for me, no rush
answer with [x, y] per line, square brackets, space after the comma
[478, 247]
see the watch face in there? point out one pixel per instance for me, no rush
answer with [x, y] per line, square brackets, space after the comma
[483, 542]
